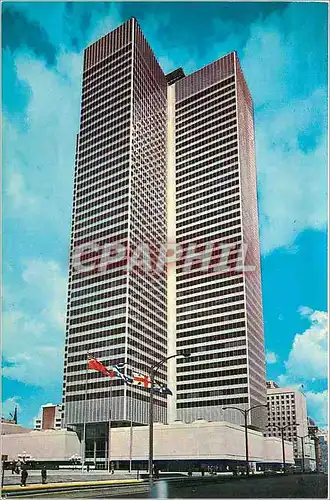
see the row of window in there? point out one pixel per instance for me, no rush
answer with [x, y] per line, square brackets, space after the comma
[113, 95]
[217, 130]
[96, 216]
[182, 106]
[211, 329]
[202, 169]
[206, 126]
[211, 194]
[100, 69]
[200, 177]
[217, 402]
[104, 201]
[119, 81]
[193, 300]
[185, 319]
[114, 118]
[217, 392]
[109, 223]
[106, 285]
[209, 304]
[96, 138]
[203, 284]
[218, 100]
[200, 118]
[112, 88]
[213, 383]
[211, 367]
[102, 324]
[211, 338]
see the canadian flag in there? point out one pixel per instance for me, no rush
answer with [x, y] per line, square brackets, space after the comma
[142, 380]
[94, 364]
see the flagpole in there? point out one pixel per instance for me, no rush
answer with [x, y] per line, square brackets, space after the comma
[131, 435]
[109, 430]
[83, 452]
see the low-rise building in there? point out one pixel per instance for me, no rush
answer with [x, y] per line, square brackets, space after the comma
[287, 413]
[197, 443]
[50, 418]
[41, 446]
[176, 446]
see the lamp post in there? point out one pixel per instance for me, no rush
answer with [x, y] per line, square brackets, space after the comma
[281, 428]
[245, 413]
[153, 370]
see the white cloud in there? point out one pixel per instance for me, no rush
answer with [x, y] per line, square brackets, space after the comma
[308, 356]
[18, 193]
[8, 406]
[307, 363]
[317, 403]
[292, 179]
[33, 332]
[40, 148]
[271, 357]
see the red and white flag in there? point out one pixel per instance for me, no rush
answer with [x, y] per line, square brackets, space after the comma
[141, 380]
[94, 364]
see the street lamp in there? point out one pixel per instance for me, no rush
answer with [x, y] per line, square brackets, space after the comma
[281, 428]
[245, 413]
[153, 370]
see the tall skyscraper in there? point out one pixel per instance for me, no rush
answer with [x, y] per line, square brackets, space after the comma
[114, 313]
[163, 159]
[218, 312]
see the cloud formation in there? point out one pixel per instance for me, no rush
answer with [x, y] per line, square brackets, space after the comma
[34, 330]
[307, 362]
[271, 357]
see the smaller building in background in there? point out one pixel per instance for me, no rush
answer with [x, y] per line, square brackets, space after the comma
[287, 410]
[323, 441]
[50, 418]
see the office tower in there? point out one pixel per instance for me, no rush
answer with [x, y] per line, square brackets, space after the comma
[115, 313]
[218, 312]
[50, 418]
[288, 406]
[163, 159]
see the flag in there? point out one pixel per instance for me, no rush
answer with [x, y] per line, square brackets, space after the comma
[94, 364]
[118, 374]
[162, 389]
[141, 380]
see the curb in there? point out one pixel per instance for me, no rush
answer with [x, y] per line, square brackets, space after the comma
[51, 487]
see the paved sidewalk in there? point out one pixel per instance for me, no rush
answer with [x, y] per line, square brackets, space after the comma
[68, 476]
[12, 489]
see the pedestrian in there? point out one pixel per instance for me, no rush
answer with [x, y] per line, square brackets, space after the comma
[112, 468]
[24, 476]
[13, 467]
[202, 471]
[156, 471]
[87, 467]
[43, 474]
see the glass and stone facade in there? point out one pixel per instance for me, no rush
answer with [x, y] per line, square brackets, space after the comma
[218, 308]
[163, 159]
[115, 313]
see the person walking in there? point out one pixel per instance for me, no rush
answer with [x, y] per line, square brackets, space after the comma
[43, 474]
[13, 467]
[112, 468]
[24, 476]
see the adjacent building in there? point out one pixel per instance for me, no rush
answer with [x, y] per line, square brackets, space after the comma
[218, 304]
[287, 410]
[50, 418]
[115, 313]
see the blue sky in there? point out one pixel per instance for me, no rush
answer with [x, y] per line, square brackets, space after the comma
[283, 52]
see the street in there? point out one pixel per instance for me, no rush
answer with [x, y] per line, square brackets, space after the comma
[291, 486]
